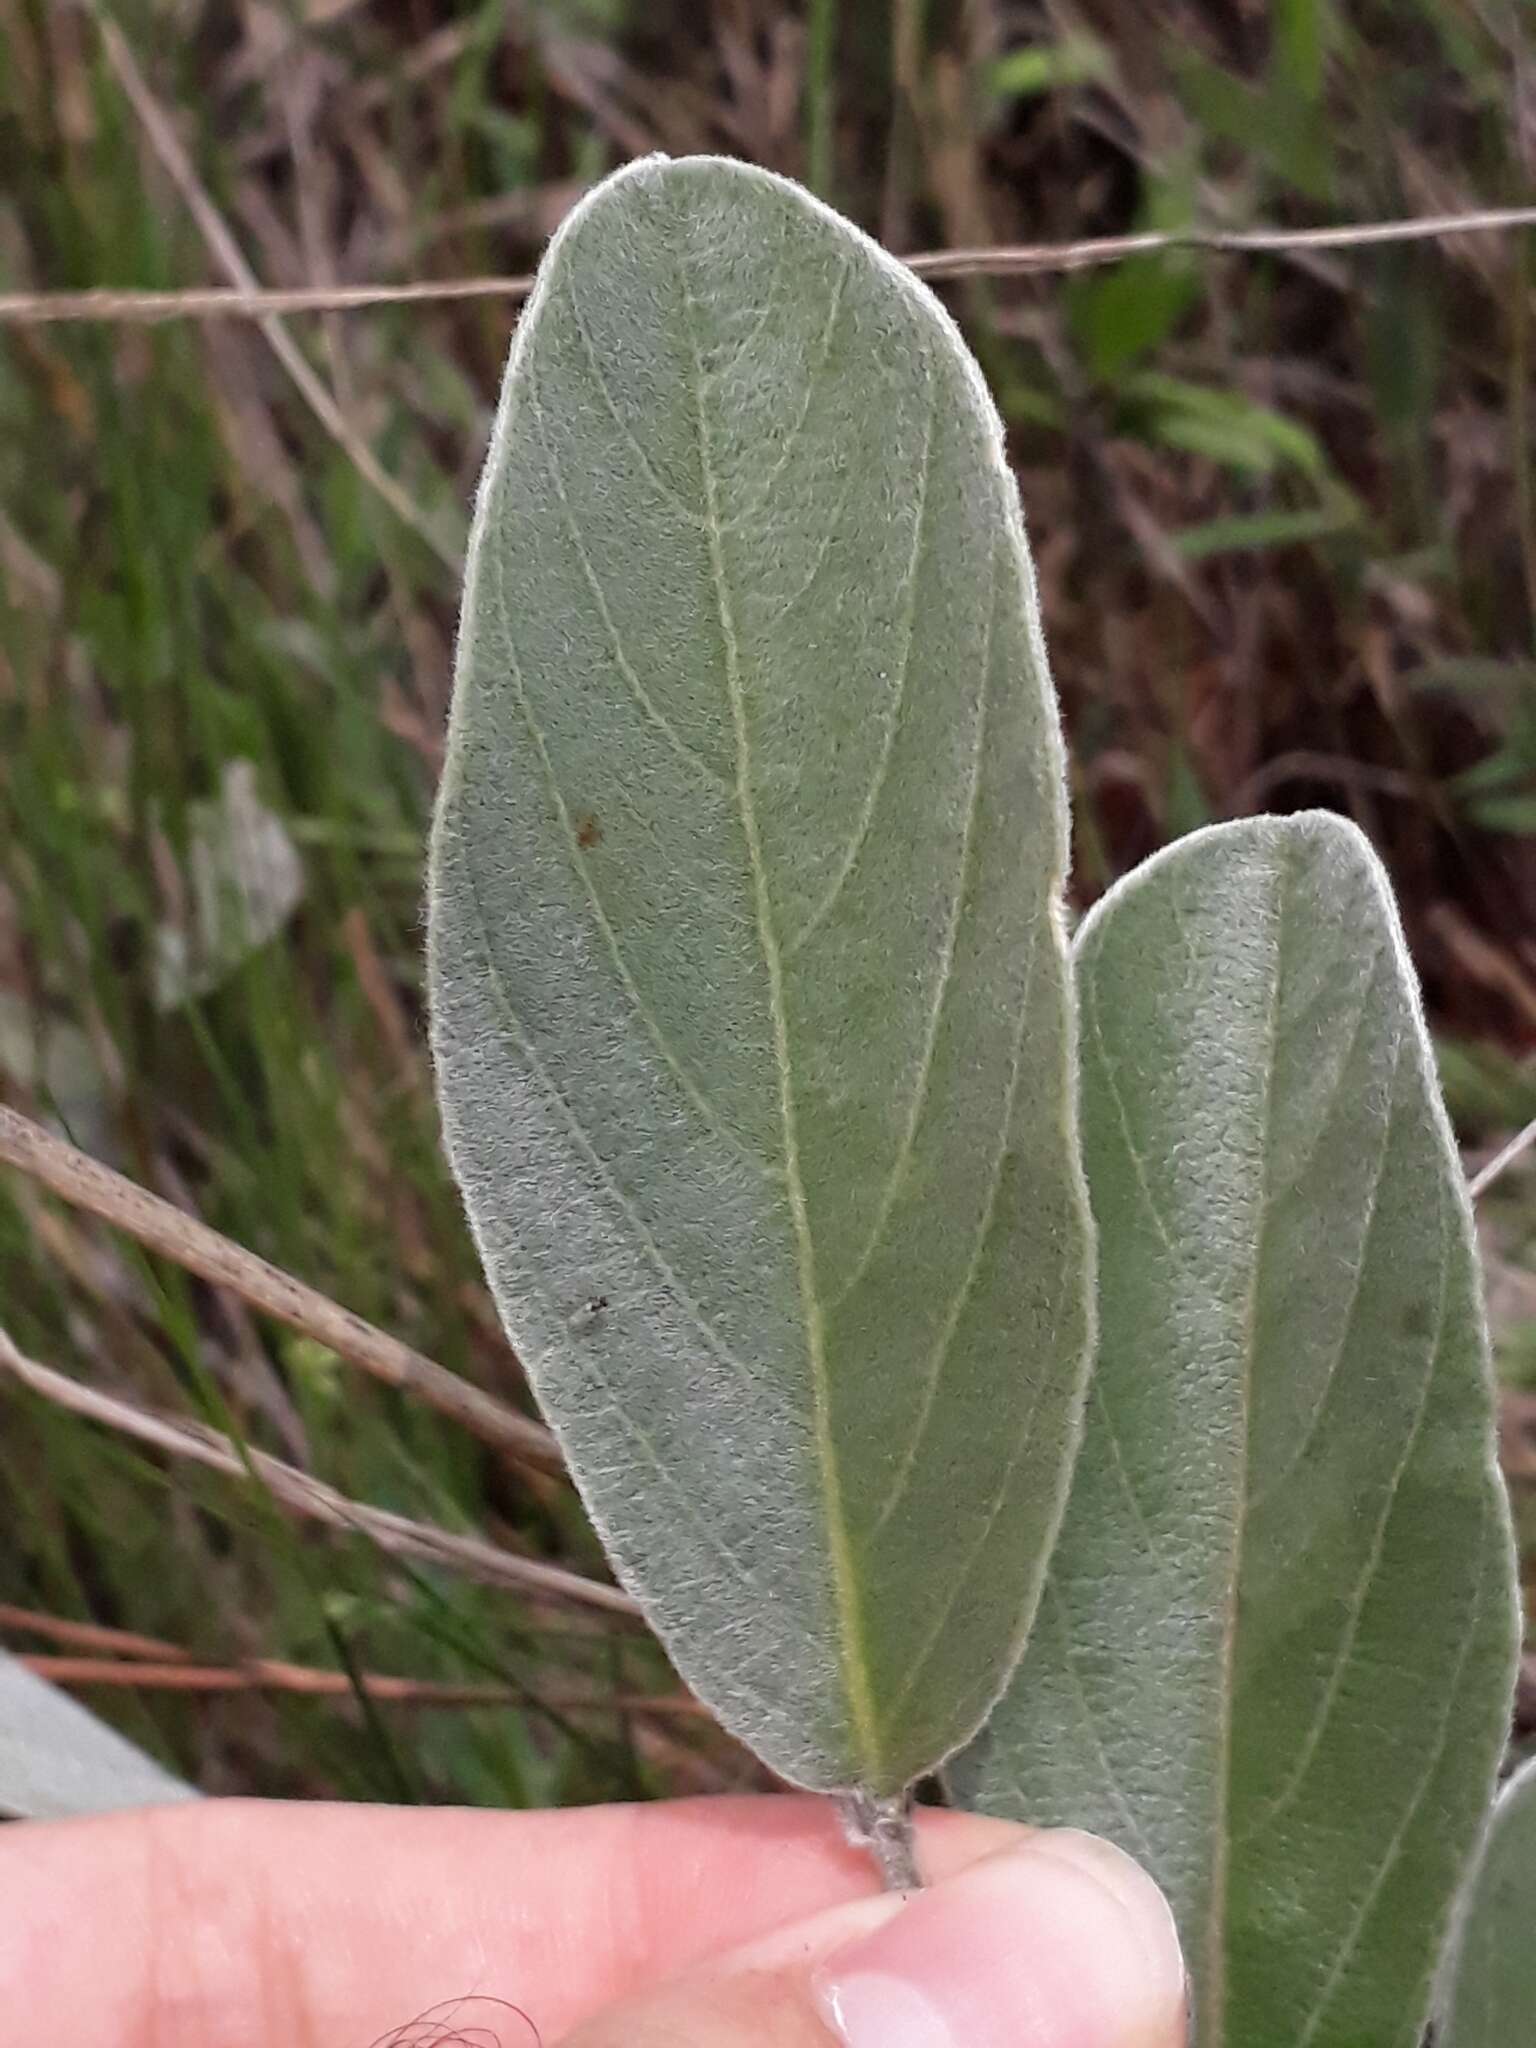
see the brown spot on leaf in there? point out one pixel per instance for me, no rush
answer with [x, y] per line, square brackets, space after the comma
[588, 831]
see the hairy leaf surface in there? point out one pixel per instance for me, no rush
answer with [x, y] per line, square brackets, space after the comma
[1491, 1982]
[750, 994]
[56, 1759]
[1273, 1658]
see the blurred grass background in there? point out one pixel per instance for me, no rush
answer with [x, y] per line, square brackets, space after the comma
[1285, 522]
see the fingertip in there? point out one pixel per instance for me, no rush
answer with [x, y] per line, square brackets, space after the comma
[950, 1840]
[1059, 1940]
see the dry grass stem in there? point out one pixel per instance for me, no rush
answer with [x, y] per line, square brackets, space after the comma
[400, 1535]
[1502, 1160]
[87, 1184]
[246, 300]
[266, 1674]
[226, 252]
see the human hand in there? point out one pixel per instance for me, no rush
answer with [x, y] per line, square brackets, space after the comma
[712, 1923]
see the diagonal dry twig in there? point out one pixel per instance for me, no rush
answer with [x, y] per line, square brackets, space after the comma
[227, 253]
[1502, 1160]
[400, 1535]
[87, 1184]
[246, 300]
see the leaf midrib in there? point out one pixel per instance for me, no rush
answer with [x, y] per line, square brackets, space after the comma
[1215, 1973]
[852, 1655]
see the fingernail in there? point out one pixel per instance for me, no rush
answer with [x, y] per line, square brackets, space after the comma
[1062, 1942]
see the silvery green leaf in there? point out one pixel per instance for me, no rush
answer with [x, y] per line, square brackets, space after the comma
[1490, 1996]
[56, 1759]
[1274, 1655]
[749, 987]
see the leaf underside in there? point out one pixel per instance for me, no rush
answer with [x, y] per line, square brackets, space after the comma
[1273, 1657]
[57, 1760]
[749, 990]
[1491, 1982]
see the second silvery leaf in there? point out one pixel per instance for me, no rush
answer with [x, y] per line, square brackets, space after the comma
[1275, 1652]
[748, 978]
[1490, 1988]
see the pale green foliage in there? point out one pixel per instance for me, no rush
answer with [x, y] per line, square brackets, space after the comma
[1274, 1655]
[57, 1760]
[1490, 1994]
[749, 984]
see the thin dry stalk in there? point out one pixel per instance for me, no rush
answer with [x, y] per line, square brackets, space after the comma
[117, 1643]
[1502, 1160]
[87, 1184]
[268, 1674]
[299, 1493]
[227, 253]
[1043, 257]
[246, 300]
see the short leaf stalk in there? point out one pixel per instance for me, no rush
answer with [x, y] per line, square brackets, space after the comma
[884, 1827]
